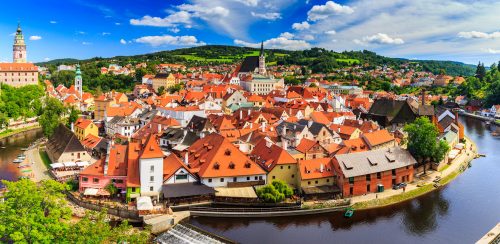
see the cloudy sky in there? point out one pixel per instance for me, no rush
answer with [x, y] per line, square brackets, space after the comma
[466, 31]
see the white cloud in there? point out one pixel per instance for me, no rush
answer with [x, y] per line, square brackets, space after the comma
[46, 59]
[118, 23]
[35, 38]
[53, 22]
[287, 35]
[330, 32]
[319, 12]
[252, 3]
[379, 38]
[106, 33]
[301, 26]
[308, 37]
[174, 30]
[170, 40]
[81, 32]
[268, 16]
[281, 42]
[479, 35]
[181, 17]
[493, 51]
[122, 41]
[86, 43]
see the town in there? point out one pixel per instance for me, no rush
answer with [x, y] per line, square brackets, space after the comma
[188, 139]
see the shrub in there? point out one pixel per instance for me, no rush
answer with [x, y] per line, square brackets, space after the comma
[277, 191]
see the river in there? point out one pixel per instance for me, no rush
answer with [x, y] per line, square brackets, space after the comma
[460, 212]
[13, 145]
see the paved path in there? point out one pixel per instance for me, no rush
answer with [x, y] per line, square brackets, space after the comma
[454, 166]
[39, 169]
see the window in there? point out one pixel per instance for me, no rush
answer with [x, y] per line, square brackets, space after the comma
[235, 179]
[281, 167]
[308, 182]
[255, 177]
[248, 178]
[274, 177]
[368, 177]
[85, 179]
[181, 177]
[327, 180]
[351, 180]
[315, 182]
[379, 175]
[152, 168]
[209, 180]
[151, 178]
[221, 179]
[393, 172]
[351, 190]
[133, 189]
[151, 188]
[289, 167]
[293, 176]
[368, 188]
[96, 180]
[119, 181]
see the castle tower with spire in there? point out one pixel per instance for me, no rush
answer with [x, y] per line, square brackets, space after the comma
[19, 48]
[262, 60]
[78, 81]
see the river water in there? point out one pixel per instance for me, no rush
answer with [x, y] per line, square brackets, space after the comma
[460, 212]
[13, 145]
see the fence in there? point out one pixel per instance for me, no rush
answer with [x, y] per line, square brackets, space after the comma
[244, 210]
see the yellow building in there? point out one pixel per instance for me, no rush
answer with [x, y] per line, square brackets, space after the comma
[165, 80]
[84, 127]
[278, 163]
[101, 104]
[316, 172]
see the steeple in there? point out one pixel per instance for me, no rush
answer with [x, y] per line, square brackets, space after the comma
[261, 49]
[78, 81]
[19, 47]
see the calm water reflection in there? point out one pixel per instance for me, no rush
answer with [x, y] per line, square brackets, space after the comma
[13, 145]
[461, 212]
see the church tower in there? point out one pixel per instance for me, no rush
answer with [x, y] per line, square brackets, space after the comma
[78, 81]
[19, 49]
[262, 60]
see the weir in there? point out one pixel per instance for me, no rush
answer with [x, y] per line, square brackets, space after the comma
[180, 234]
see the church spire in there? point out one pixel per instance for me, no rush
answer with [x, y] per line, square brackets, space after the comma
[262, 48]
[262, 60]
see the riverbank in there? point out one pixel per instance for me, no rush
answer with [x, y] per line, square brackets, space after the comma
[447, 175]
[10, 132]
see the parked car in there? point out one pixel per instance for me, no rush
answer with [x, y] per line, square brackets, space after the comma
[399, 186]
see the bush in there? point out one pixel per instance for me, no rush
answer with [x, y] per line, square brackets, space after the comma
[73, 184]
[276, 192]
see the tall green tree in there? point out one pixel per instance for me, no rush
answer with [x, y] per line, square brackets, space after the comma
[74, 113]
[51, 115]
[480, 71]
[423, 143]
[39, 213]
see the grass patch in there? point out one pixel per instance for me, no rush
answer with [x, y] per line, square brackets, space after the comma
[45, 159]
[449, 177]
[348, 61]
[9, 132]
[444, 168]
[394, 199]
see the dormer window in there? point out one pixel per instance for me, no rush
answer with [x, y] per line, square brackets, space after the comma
[216, 166]
[247, 165]
[231, 165]
[227, 152]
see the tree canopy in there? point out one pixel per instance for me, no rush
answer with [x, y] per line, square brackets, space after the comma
[51, 116]
[38, 213]
[423, 143]
[275, 192]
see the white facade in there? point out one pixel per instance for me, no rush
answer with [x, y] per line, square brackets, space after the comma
[222, 181]
[151, 176]
[180, 176]
[183, 116]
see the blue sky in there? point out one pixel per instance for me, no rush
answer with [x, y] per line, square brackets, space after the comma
[466, 31]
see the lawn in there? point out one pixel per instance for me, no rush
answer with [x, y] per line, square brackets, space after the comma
[45, 158]
[394, 199]
[348, 60]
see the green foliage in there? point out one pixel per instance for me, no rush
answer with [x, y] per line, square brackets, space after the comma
[51, 115]
[38, 213]
[422, 141]
[175, 88]
[277, 191]
[72, 184]
[73, 115]
[112, 189]
[480, 71]
[161, 90]
[21, 102]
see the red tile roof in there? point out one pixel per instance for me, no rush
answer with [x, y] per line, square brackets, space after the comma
[311, 169]
[151, 148]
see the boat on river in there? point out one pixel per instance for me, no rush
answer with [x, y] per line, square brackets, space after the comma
[17, 161]
[349, 213]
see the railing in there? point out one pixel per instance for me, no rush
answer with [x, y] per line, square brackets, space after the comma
[244, 210]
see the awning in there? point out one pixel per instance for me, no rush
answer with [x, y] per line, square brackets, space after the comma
[90, 192]
[186, 190]
[460, 146]
[56, 165]
[236, 192]
[103, 192]
[453, 153]
[320, 190]
[69, 164]
[144, 203]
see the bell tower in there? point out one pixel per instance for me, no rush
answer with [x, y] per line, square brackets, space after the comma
[262, 60]
[19, 48]
[78, 81]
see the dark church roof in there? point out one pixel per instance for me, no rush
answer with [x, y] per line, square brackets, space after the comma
[63, 140]
[249, 64]
[198, 124]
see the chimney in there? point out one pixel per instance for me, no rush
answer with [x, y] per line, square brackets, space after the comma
[248, 112]
[338, 129]
[251, 125]
[423, 97]
[284, 144]
[321, 168]
[263, 127]
[241, 114]
[186, 158]
[72, 127]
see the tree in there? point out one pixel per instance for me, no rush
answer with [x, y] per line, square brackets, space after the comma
[423, 143]
[73, 115]
[39, 213]
[51, 115]
[480, 71]
[112, 189]
[277, 191]
[161, 90]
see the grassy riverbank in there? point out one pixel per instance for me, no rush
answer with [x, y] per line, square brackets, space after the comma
[394, 199]
[45, 158]
[10, 132]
